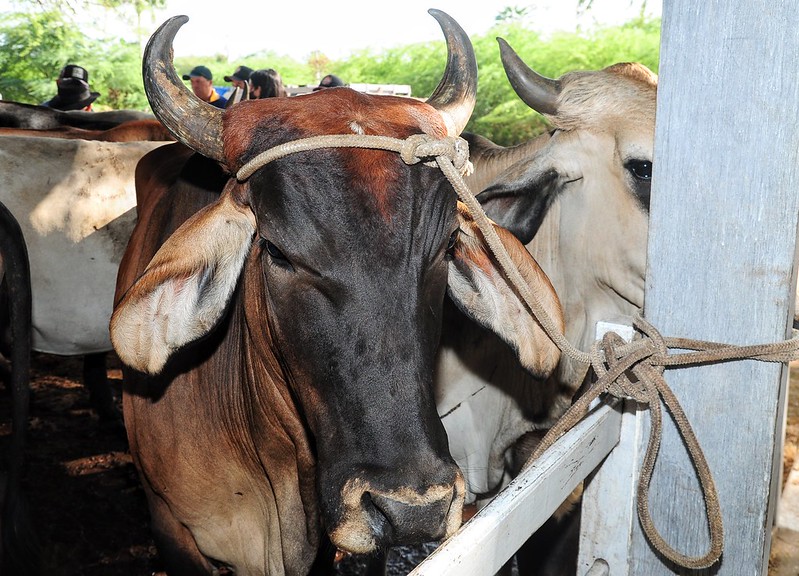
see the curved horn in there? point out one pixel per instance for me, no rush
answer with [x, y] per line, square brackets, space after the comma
[538, 92]
[197, 124]
[456, 94]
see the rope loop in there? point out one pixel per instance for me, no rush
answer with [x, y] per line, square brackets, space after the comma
[635, 371]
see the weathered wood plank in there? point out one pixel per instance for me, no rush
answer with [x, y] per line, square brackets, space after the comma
[608, 512]
[721, 263]
[494, 534]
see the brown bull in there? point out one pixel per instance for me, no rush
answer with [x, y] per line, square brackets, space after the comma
[280, 340]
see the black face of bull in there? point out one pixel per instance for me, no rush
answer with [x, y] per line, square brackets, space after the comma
[354, 278]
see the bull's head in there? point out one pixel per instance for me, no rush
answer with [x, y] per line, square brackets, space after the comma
[341, 257]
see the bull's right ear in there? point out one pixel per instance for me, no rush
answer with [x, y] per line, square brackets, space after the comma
[186, 287]
[479, 287]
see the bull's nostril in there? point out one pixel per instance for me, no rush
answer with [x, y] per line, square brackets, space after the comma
[379, 522]
[409, 523]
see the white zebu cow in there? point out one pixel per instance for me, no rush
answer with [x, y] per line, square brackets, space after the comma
[581, 202]
[75, 202]
[578, 197]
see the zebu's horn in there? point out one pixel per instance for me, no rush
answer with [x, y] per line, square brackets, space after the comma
[456, 94]
[538, 92]
[195, 123]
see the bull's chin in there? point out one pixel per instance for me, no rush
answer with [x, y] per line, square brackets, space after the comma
[374, 519]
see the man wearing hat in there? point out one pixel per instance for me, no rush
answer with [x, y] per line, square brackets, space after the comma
[73, 90]
[240, 77]
[203, 87]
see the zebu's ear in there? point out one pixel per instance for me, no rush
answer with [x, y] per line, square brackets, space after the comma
[480, 289]
[186, 287]
[521, 196]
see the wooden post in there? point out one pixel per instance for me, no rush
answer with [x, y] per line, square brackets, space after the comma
[721, 267]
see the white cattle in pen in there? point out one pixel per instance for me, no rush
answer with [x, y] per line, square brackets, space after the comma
[578, 197]
[75, 202]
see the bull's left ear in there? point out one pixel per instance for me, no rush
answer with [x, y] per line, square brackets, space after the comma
[480, 289]
[186, 287]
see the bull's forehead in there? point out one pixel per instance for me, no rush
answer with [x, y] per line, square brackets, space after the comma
[339, 198]
[369, 202]
[257, 125]
[620, 99]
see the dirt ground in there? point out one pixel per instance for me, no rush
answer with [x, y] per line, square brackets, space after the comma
[84, 492]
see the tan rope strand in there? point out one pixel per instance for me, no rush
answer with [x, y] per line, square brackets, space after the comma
[708, 486]
[315, 142]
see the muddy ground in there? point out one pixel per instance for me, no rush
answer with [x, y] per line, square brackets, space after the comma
[85, 496]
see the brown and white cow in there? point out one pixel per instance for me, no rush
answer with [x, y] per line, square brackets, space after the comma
[129, 131]
[33, 117]
[279, 340]
[74, 201]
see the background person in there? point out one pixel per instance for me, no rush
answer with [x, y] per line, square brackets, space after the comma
[203, 86]
[330, 81]
[240, 77]
[73, 88]
[266, 83]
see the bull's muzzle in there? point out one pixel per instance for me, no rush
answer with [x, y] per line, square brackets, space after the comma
[376, 518]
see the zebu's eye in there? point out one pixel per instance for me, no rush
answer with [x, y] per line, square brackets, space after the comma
[641, 182]
[275, 253]
[453, 239]
[640, 169]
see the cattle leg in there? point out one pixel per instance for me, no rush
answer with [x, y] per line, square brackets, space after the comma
[95, 378]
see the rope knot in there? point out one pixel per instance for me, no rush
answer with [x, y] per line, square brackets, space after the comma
[628, 370]
[417, 147]
[626, 383]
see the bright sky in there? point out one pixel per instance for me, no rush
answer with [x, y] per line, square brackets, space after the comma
[337, 28]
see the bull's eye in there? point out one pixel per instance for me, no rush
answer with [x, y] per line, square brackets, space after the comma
[453, 239]
[640, 169]
[274, 253]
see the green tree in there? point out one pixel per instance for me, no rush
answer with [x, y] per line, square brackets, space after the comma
[35, 45]
[33, 48]
[512, 14]
[139, 7]
[499, 114]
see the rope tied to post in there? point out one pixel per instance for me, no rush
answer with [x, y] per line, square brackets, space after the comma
[635, 371]
[624, 370]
